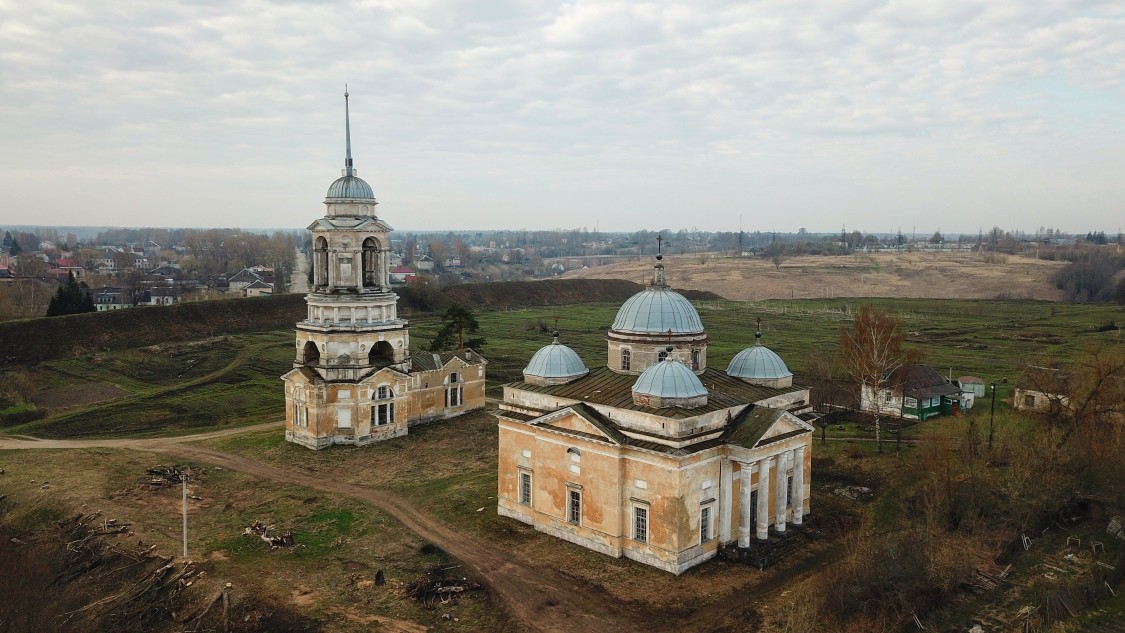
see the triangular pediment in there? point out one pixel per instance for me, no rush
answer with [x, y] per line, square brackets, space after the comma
[757, 425]
[582, 420]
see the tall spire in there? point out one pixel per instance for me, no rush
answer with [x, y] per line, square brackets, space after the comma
[348, 170]
[658, 270]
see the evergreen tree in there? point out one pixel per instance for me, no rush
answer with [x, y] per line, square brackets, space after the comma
[71, 298]
[457, 321]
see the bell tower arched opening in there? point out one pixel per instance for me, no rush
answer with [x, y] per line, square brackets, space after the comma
[370, 263]
[381, 354]
[310, 354]
[320, 262]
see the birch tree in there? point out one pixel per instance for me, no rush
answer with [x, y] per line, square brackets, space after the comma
[871, 350]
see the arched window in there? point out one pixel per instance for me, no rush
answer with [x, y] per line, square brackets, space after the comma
[695, 360]
[370, 263]
[320, 262]
[454, 391]
[300, 408]
[626, 357]
[663, 354]
[574, 455]
[383, 411]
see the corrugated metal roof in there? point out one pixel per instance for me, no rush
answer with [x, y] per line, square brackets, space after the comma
[428, 361]
[604, 386]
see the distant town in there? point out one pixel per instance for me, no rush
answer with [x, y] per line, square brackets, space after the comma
[125, 268]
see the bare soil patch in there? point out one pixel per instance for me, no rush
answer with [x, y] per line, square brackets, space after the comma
[77, 395]
[916, 275]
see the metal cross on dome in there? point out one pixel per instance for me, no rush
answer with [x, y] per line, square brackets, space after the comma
[659, 240]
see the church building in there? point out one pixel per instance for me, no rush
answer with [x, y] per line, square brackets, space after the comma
[656, 456]
[354, 380]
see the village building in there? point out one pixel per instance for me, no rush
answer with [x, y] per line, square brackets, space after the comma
[657, 456]
[354, 379]
[1041, 389]
[916, 392]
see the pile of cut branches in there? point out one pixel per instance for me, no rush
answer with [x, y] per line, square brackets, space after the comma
[163, 476]
[151, 584]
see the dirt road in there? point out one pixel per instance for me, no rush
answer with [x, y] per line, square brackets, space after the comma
[541, 598]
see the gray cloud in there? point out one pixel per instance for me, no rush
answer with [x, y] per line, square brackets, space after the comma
[537, 114]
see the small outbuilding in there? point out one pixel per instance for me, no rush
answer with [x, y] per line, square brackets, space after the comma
[973, 385]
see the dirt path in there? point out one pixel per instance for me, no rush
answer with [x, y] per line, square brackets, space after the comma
[542, 599]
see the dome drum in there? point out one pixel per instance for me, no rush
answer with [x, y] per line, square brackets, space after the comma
[633, 354]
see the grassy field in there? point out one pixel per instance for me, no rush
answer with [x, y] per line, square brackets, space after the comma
[233, 380]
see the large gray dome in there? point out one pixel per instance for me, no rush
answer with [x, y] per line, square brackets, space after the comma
[658, 310]
[351, 188]
[758, 363]
[555, 361]
[669, 379]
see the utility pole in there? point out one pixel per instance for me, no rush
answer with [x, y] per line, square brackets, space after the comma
[183, 478]
[991, 415]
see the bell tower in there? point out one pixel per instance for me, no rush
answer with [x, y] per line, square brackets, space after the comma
[352, 327]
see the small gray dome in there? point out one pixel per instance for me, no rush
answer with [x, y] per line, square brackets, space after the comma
[669, 379]
[758, 363]
[555, 361]
[658, 310]
[351, 188]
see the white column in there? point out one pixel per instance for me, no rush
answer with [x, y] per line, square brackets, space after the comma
[798, 485]
[331, 269]
[764, 498]
[779, 501]
[726, 499]
[744, 505]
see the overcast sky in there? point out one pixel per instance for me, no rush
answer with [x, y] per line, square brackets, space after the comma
[919, 114]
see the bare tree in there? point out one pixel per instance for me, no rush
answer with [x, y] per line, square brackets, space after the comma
[870, 351]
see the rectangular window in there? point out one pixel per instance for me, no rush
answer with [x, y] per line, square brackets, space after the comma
[1029, 402]
[574, 507]
[525, 488]
[640, 524]
[705, 525]
[789, 491]
[454, 396]
[385, 413]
